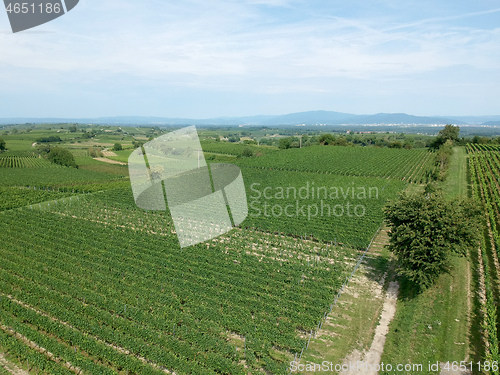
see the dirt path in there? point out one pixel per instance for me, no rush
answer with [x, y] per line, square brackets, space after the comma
[374, 355]
[348, 332]
[106, 160]
[10, 367]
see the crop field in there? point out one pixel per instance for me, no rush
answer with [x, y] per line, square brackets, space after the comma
[484, 164]
[23, 162]
[116, 281]
[326, 207]
[91, 284]
[407, 165]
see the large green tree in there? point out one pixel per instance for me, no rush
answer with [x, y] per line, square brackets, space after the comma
[117, 147]
[2, 144]
[450, 132]
[426, 230]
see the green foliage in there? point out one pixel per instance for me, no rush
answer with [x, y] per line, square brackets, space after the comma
[117, 147]
[2, 144]
[327, 139]
[284, 143]
[52, 138]
[289, 142]
[137, 144]
[443, 155]
[72, 129]
[247, 152]
[62, 157]
[14, 197]
[87, 135]
[396, 144]
[426, 229]
[449, 133]
[235, 149]
[95, 152]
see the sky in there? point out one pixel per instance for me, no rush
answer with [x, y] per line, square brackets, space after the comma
[204, 59]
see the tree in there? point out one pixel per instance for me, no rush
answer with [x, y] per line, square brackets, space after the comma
[340, 141]
[326, 139]
[247, 152]
[61, 156]
[449, 132]
[72, 129]
[117, 147]
[395, 144]
[285, 143]
[2, 144]
[95, 152]
[52, 138]
[426, 229]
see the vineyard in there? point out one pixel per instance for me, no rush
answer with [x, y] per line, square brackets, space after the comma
[110, 295]
[24, 162]
[325, 207]
[416, 166]
[108, 289]
[484, 164]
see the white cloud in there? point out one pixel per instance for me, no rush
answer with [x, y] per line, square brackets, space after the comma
[227, 45]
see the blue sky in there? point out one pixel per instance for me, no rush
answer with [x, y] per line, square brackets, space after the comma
[202, 59]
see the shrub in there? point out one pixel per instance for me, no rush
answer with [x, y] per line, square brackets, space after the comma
[61, 156]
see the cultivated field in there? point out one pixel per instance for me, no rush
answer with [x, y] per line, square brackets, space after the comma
[91, 284]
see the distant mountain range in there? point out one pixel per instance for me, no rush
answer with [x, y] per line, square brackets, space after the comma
[300, 118]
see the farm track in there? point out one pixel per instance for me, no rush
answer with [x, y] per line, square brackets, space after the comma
[373, 356]
[365, 309]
